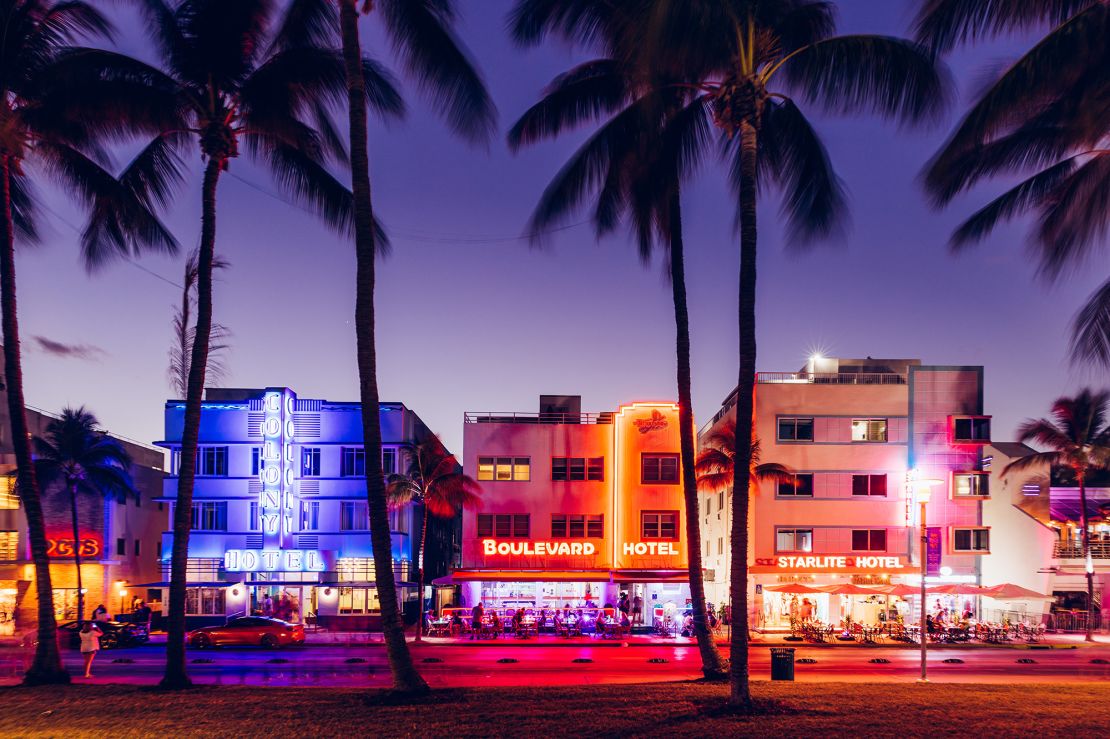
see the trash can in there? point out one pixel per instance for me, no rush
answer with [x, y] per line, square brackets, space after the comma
[782, 663]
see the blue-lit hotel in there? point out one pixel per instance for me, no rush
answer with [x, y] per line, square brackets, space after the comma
[279, 509]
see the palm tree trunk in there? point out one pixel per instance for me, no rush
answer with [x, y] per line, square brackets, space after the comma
[77, 552]
[176, 676]
[1086, 555]
[46, 668]
[740, 691]
[420, 566]
[712, 666]
[405, 676]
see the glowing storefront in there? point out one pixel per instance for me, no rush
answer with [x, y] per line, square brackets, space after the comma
[577, 508]
[279, 509]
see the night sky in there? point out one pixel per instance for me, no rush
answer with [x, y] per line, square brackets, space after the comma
[472, 318]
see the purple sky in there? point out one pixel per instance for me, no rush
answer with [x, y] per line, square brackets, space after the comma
[471, 318]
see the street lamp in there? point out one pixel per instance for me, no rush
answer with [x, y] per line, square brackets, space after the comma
[923, 490]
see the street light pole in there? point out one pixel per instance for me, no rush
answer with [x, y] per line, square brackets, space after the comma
[924, 497]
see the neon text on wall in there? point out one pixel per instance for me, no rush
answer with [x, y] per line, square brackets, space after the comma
[835, 562]
[64, 547]
[650, 547]
[273, 560]
[540, 548]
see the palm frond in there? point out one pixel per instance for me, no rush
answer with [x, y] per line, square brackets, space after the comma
[889, 76]
[585, 93]
[24, 210]
[1044, 433]
[943, 24]
[583, 21]
[1090, 338]
[313, 23]
[1033, 461]
[1076, 217]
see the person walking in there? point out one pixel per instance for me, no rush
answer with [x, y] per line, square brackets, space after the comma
[637, 609]
[476, 614]
[100, 614]
[268, 606]
[90, 644]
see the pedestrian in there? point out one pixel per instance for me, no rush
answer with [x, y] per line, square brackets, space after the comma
[100, 614]
[476, 620]
[143, 615]
[90, 644]
[267, 606]
[637, 609]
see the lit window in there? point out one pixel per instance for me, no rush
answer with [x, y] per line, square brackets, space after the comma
[659, 525]
[868, 429]
[310, 515]
[795, 429]
[794, 540]
[310, 461]
[869, 540]
[9, 546]
[971, 540]
[254, 523]
[209, 516]
[799, 486]
[9, 500]
[659, 469]
[970, 485]
[358, 601]
[869, 485]
[505, 469]
[353, 516]
[485, 468]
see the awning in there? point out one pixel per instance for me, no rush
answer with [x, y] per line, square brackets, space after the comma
[220, 584]
[794, 587]
[676, 576]
[532, 575]
[1009, 591]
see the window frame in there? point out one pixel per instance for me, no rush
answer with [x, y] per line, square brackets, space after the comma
[870, 479]
[350, 521]
[659, 458]
[983, 483]
[515, 469]
[952, 539]
[349, 460]
[793, 421]
[310, 515]
[794, 531]
[795, 495]
[310, 461]
[971, 418]
[870, 535]
[510, 523]
[870, 420]
[211, 461]
[562, 529]
[659, 515]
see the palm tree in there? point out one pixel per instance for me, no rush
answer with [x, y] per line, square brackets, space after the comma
[716, 464]
[1044, 118]
[421, 34]
[231, 74]
[1077, 438]
[435, 481]
[745, 62]
[182, 351]
[629, 166]
[78, 456]
[56, 126]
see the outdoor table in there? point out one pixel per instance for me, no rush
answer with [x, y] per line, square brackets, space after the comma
[440, 627]
[612, 630]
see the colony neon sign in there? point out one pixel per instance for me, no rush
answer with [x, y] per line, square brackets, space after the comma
[273, 560]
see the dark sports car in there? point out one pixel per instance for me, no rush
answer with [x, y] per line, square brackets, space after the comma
[248, 631]
[115, 634]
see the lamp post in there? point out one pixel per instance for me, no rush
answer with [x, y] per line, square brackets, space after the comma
[923, 488]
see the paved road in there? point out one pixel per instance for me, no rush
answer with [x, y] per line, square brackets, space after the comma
[478, 666]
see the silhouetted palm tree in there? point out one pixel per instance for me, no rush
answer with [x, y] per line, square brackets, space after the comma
[434, 481]
[745, 62]
[230, 74]
[716, 464]
[78, 456]
[181, 354]
[421, 34]
[1077, 438]
[630, 167]
[55, 126]
[1045, 118]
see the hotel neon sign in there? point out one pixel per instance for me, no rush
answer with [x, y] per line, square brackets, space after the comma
[273, 560]
[833, 562]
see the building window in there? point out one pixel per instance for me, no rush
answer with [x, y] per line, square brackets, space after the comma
[310, 461]
[204, 601]
[505, 469]
[658, 469]
[504, 525]
[389, 460]
[720, 545]
[720, 501]
[577, 468]
[659, 525]
[970, 485]
[971, 540]
[794, 540]
[708, 506]
[868, 429]
[9, 499]
[209, 516]
[577, 526]
[254, 523]
[9, 546]
[795, 429]
[353, 516]
[399, 519]
[358, 601]
[138, 548]
[256, 460]
[869, 485]
[973, 429]
[354, 462]
[310, 515]
[799, 486]
[212, 461]
[868, 540]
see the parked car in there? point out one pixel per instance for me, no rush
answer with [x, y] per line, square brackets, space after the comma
[115, 634]
[248, 631]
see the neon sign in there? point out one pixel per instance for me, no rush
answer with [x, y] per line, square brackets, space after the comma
[650, 547]
[89, 547]
[833, 562]
[273, 560]
[657, 422]
[540, 548]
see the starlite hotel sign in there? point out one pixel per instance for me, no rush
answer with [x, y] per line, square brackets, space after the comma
[277, 501]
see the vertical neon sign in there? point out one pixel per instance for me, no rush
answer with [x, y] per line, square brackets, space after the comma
[276, 502]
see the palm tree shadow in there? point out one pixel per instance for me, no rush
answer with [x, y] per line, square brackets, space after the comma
[715, 708]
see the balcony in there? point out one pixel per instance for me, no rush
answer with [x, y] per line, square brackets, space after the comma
[1066, 550]
[830, 378]
[538, 418]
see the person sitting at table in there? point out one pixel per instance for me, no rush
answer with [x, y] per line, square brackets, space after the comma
[688, 625]
[495, 623]
[456, 623]
[518, 622]
[626, 623]
[941, 618]
[930, 624]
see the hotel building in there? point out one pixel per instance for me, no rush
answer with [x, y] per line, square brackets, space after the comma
[576, 508]
[856, 433]
[279, 509]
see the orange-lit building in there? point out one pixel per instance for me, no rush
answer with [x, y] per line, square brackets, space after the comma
[577, 508]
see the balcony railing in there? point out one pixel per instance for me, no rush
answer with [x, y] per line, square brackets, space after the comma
[1067, 550]
[830, 378]
[538, 418]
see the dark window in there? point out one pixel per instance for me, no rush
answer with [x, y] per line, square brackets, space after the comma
[869, 540]
[659, 468]
[121, 547]
[595, 468]
[971, 429]
[971, 540]
[801, 486]
[212, 461]
[389, 460]
[868, 484]
[310, 461]
[504, 525]
[137, 548]
[354, 462]
[795, 429]
[256, 460]
[577, 468]
[659, 525]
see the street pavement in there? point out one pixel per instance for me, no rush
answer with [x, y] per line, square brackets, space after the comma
[506, 665]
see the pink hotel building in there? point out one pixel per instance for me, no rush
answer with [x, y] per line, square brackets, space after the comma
[855, 432]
